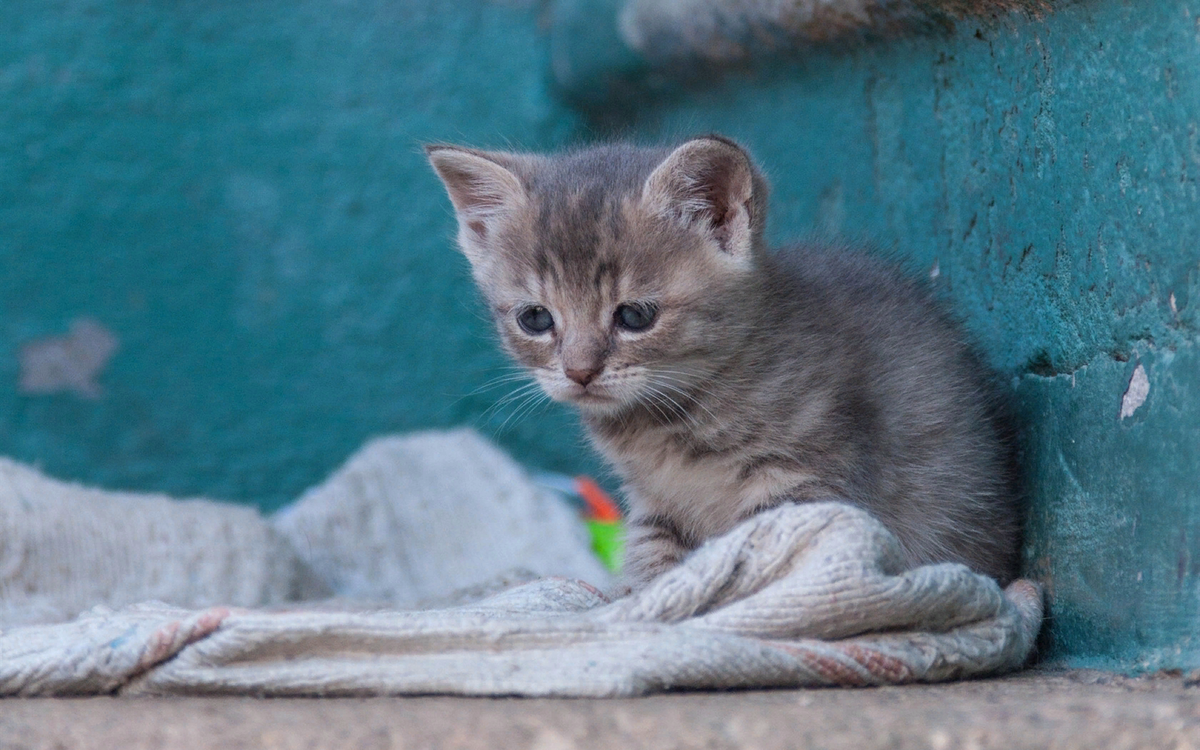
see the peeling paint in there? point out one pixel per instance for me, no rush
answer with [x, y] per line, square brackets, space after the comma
[68, 364]
[1136, 393]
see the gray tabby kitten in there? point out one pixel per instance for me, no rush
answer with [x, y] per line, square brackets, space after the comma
[720, 378]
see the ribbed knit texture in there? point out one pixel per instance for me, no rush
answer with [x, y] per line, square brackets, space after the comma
[803, 595]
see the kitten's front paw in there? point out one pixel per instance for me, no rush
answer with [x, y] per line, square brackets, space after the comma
[652, 547]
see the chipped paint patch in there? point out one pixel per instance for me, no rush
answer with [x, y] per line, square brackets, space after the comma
[1136, 393]
[68, 364]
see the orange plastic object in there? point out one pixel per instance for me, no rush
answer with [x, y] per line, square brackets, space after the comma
[601, 507]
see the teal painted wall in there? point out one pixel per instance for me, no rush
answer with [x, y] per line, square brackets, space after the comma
[236, 192]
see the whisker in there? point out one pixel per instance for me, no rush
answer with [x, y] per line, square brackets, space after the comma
[678, 407]
[674, 406]
[690, 397]
[684, 378]
[694, 377]
[500, 429]
[538, 405]
[690, 384]
[661, 417]
[518, 393]
[517, 398]
[498, 381]
[523, 409]
[671, 379]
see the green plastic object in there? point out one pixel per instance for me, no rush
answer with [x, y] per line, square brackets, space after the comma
[608, 542]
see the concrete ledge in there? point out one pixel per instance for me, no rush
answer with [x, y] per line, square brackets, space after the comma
[1038, 709]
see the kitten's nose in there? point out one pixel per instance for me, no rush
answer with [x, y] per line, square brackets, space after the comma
[583, 377]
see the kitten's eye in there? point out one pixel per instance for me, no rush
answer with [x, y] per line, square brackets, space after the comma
[635, 316]
[535, 320]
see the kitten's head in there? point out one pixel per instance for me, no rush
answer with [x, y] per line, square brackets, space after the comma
[613, 273]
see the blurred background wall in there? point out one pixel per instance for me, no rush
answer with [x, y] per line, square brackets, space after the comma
[224, 263]
[236, 190]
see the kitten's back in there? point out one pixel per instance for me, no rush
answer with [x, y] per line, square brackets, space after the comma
[935, 454]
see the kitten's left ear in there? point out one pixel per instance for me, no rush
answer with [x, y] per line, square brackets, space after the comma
[709, 183]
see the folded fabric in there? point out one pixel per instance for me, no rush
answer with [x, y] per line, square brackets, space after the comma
[65, 548]
[407, 521]
[802, 595]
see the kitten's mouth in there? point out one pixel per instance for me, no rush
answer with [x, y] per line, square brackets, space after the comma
[590, 395]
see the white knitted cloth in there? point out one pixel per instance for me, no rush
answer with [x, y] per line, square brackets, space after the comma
[65, 548]
[406, 521]
[801, 595]
[424, 518]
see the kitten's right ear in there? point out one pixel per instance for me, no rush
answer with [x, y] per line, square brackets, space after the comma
[484, 192]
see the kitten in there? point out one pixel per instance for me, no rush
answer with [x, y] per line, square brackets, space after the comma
[720, 378]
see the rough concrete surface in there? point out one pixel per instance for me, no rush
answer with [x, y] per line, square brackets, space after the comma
[1039, 709]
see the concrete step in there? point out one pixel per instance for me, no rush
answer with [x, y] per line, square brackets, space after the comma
[1036, 709]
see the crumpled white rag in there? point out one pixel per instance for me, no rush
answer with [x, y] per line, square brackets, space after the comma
[803, 595]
